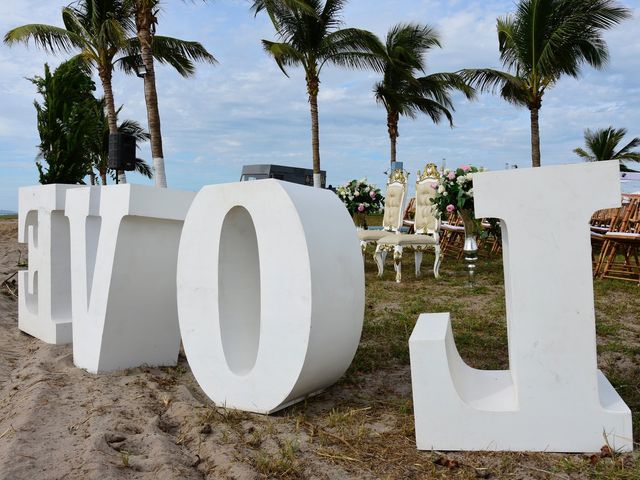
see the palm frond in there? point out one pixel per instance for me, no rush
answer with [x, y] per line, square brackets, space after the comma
[601, 144]
[511, 87]
[626, 150]
[180, 54]
[143, 168]
[581, 153]
[51, 39]
[284, 54]
[352, 48]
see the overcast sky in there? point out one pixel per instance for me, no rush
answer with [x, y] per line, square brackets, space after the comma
[245, 111]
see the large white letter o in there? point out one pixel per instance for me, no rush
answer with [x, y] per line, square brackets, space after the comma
[270, 292]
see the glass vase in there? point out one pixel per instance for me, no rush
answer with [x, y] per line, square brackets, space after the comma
[470, 248]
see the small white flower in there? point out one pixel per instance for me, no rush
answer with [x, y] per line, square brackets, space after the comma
[350, 197]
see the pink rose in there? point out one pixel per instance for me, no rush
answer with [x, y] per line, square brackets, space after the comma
[361, 207]
[452, 175]
[465, 168]
[450, 208]
[372, 194]
[434, 186]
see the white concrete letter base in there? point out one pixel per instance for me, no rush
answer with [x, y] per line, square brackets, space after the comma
[124, 240]
[553, 397]
[44, 289]
[270, 292]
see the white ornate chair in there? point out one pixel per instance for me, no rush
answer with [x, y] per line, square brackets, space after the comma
[427, 226]
[393, 203]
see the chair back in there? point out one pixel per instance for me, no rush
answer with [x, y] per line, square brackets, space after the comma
[427, 221]
[396, 191]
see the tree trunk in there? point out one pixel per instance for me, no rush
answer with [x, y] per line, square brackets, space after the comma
[313, 87]
[392, 127]
[535, 137]
[105, 78]
[145, 22]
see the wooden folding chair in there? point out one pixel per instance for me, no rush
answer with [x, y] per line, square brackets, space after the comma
[619, 255]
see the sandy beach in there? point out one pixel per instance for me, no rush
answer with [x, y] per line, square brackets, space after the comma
[59, 422]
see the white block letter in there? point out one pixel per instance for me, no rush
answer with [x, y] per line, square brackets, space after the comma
[270, 292]
[44, 298]
[553, 397]
[124, 240]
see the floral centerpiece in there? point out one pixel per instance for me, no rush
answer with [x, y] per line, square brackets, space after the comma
[454, 192]
[361, 199]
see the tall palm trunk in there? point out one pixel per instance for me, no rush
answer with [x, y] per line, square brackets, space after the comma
[144, 25]
[313, 87]
[105, 77]
[392, 127]
[535, 137]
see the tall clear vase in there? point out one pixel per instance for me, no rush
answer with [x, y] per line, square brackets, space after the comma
[470, 248]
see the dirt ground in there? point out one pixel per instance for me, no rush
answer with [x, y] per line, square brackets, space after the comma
[60, 422]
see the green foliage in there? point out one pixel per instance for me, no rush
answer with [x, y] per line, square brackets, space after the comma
[602, 144]
[544, 40]
[402, 90]
[311, 37]
[65, 123]
[541, 42]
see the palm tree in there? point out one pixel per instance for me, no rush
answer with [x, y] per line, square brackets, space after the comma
[402, 92]
[103, 30]
[98, 28]
[602, 144]
[310, 37]
[542, 41]
[145, 14]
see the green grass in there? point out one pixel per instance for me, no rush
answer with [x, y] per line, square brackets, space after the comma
[478, 318]
[363, 427]
[8, 217]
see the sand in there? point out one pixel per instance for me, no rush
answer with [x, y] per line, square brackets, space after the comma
[60, 422]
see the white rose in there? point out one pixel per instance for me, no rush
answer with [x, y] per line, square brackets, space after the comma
[441, 189]
[469, 176]
[350, 197]
[356, 193]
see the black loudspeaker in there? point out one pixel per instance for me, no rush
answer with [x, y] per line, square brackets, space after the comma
[122, 151]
